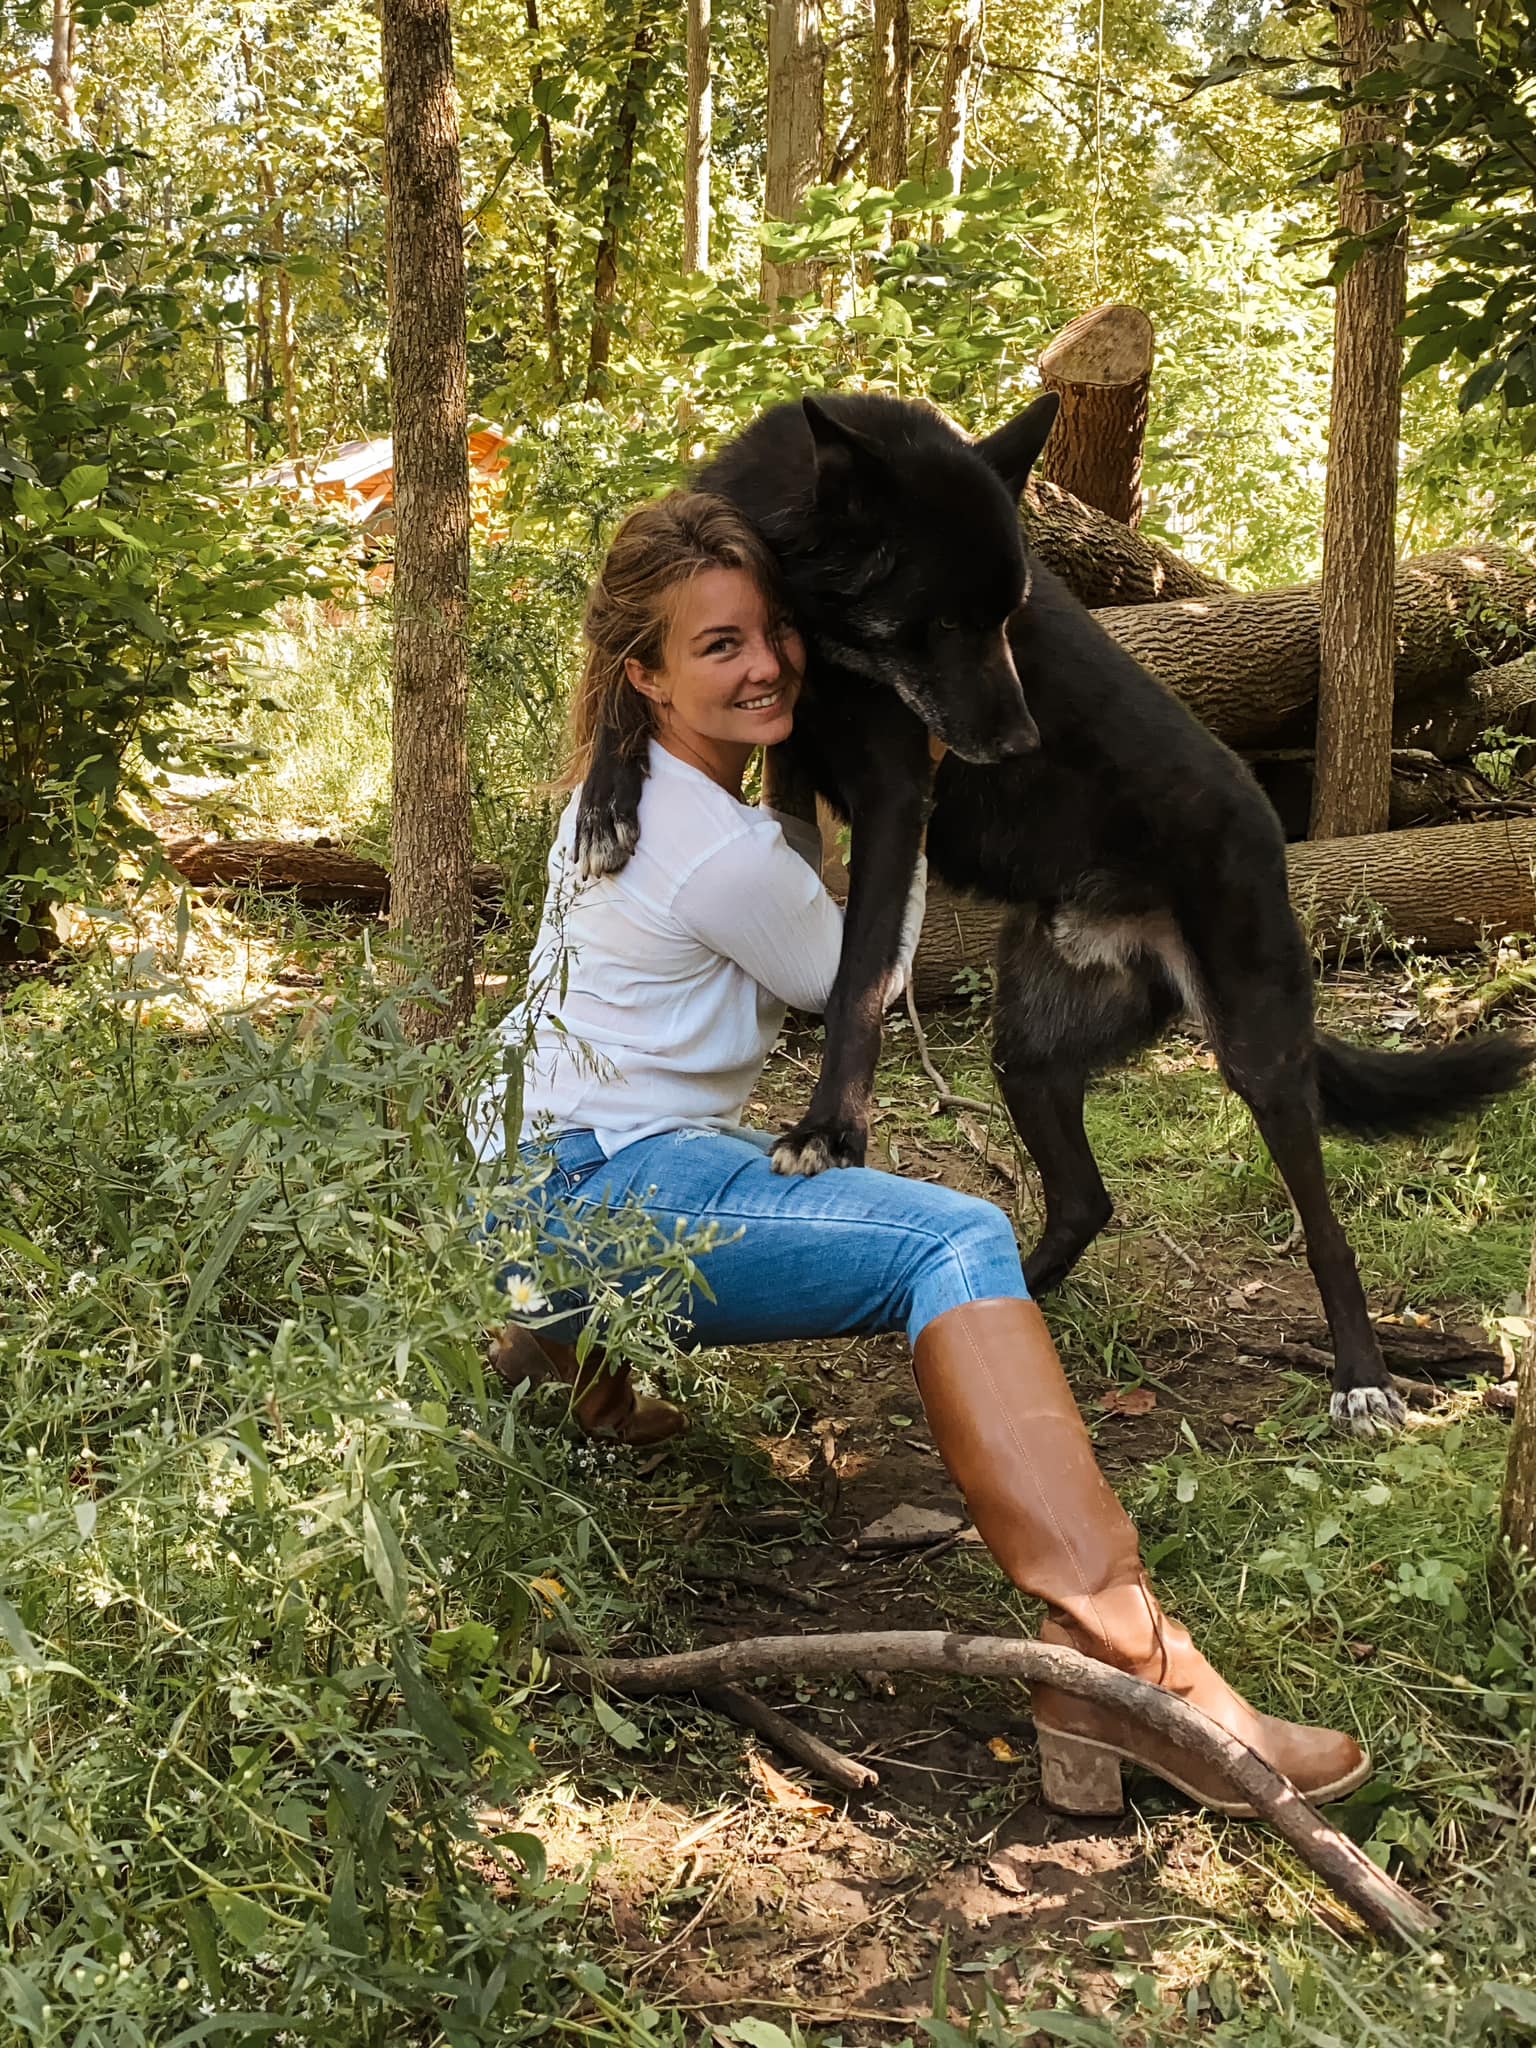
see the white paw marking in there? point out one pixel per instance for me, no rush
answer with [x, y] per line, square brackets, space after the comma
[808, 1156]
[1368, 1411]
[605, 849]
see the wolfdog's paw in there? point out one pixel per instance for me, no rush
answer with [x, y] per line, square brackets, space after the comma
[604, 843]
[1368, 1411]
[809, 1151]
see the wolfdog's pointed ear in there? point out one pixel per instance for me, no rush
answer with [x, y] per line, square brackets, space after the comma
[843, 454]
[1014, 450]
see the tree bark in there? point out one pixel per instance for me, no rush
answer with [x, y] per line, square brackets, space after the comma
[1445, 886]
[955, 100]
[1248, 666]
[1355, 686]
[633, 99]
[890, 93]
[1501, 699]
[795, 130]
[549, 270]
[696, 147]
[1518, 1517]
[61, 69]
[311, 874]
[1101, 561]
[1102, 367]
[430, 817]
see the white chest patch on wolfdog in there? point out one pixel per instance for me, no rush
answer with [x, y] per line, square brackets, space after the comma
[1120, 944]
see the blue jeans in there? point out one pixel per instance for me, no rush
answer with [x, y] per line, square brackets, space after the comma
[841, 1253]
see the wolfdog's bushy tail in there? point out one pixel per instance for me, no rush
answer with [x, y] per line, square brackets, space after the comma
[1364, 1090]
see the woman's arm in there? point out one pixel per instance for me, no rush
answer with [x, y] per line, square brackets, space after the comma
[760, 903]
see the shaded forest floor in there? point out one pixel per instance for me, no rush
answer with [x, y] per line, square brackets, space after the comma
[717, 1889]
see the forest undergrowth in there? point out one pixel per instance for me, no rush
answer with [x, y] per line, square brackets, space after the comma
[283, 1758]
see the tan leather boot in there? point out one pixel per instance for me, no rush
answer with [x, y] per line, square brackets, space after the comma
[1009, 1431]
[604, 1400]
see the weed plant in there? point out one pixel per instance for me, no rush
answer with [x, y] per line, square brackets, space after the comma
[274, 1558]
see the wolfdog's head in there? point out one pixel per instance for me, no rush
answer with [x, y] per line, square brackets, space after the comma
[916, 564]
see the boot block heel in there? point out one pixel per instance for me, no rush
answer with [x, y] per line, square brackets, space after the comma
[1078, 1776]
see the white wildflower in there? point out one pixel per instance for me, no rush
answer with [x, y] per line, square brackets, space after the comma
[522, 1295]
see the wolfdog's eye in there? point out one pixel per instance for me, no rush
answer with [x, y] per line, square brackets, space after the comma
[948, 625]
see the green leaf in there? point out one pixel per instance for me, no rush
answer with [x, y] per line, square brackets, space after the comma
[529, 1851]
[757, 2034]
[1483, 380]
[615, 1727]
[88, 481]
[24, 1248]
[384, 1557]
[244, 1919]
[343, 1921]
[14, 1629]
[1065, 2026]
[425, 1706]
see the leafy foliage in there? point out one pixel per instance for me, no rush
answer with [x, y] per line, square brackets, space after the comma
[126, 575]
[268, 1545]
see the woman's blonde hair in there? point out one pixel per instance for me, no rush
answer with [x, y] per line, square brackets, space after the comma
[658, 548]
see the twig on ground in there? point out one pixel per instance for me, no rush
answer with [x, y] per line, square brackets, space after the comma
[1381, 1903]
[1294, 1238]
[760, 1582]
[947, 1098]
[676, 1941]
[1176, 1248]
[789, 1739]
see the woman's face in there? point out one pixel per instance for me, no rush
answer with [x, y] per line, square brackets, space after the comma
[730, 674]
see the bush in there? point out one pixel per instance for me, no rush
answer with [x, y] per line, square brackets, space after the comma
[127, 572]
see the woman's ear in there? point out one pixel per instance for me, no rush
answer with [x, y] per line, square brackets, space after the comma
[642, 679]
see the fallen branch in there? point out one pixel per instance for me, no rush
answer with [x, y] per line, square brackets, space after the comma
[1381, 1903]
[790, 1740]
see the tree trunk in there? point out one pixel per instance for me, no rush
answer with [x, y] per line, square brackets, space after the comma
[1102, 367]
[274, 236]
[1248, 666]
[1101, 561]
[1445, 886]
[633, 100]
[61, 69]
[890, 93]
[550, 253]
[1518, 1520]
[696, 148]
[955, 99]
[795, 130]
[430, 818]
[1354, 709]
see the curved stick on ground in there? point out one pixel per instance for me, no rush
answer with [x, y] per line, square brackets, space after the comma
[789, 1739]
[1380, 1902]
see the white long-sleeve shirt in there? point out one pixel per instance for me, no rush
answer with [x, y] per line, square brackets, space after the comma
[656, 995]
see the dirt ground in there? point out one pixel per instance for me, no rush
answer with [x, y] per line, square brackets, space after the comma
[732, 1895]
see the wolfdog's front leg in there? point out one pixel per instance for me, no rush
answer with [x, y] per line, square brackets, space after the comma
[887, 842]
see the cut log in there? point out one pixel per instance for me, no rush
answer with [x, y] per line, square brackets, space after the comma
[1424, 789]
[1101, 561]
[1501, 699]
[1247, 666]
[311, 874]
[1101, 366]
[1445, 887]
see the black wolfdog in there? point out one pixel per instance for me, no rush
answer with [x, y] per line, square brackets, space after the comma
[1143, 867]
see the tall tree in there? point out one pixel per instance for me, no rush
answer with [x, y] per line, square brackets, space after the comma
[430, 819]
[890, 92]
[274, 243]
[696, 148]
[796, 128]
[1354, 701]
[554, 342]
[632, 97]
[955, 94]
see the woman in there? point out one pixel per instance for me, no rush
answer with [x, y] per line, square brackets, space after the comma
[661, 990]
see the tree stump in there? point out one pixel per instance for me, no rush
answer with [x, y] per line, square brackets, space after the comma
[1101, 365]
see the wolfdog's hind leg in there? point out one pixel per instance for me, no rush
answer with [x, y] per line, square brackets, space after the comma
[1046, 1104]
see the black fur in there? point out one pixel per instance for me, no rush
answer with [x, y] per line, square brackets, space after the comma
[1143, 867]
